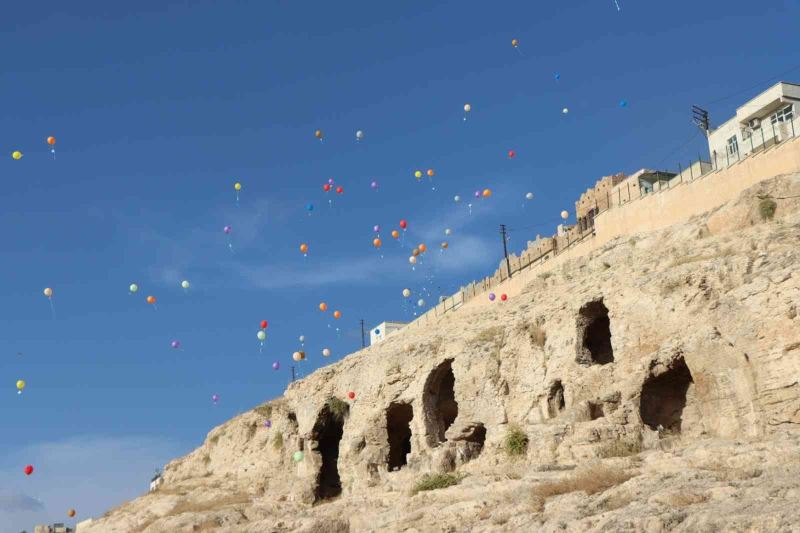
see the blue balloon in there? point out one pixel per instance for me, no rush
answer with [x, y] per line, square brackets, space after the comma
[623, 103]
[377, 332]
[310, 207]
[558, 76]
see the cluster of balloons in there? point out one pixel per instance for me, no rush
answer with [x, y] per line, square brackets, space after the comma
[324, 307]
[492, 297]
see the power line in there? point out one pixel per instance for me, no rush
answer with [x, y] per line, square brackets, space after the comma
[756, 86]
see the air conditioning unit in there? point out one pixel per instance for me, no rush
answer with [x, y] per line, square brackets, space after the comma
[754, 123]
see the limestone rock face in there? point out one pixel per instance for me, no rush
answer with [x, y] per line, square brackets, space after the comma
[667, 364]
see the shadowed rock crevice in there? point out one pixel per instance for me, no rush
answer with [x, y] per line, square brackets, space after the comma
[555, 399]
[439, 402]
[398, 429]
[328, 432]
[664, 397]
[594, 335]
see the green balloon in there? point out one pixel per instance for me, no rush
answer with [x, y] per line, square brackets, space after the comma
[298, 456]
[134, 287]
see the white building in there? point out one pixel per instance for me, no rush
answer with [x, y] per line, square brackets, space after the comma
[156, 481]
[762, 122]
[382, 330]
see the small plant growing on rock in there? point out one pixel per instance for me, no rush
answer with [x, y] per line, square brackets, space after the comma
[264, 410]
[516, 442]
[277, 440]
[437, 481]
[624, 447]
[766, 208]
[338, 408]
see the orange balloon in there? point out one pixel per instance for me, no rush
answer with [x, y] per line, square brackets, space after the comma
[422, 248]
[445, 245]
[430, 172]
[304, 248]
[415, 252]
[377, 243]
[337, 314]
[51, 141]
[487, 193]
[323, 306]
[71, 512]
[395, 234]
[318, 134]
[151, 299]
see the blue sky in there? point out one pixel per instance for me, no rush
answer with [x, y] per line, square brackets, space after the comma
[159, 107]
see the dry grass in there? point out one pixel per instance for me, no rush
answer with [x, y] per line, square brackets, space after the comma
[680, 500]
[624, 447]
[436, 481]
[493, 334]
[338, 407]
[213, 440]
[265, 410]
[516, 442]
[591, 480]
[188, 506]
[725, 252]
[251, 430]
[617, 501]
[277, 440]
[536, 334]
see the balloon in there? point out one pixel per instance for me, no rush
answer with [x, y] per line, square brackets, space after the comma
[237, 186]
[557, 76]
[511, 154]
[267, 424]
[330, 181]
[298, 356]
[448, 231]
[503, 297]
[374, 184]
[418, 174]
[403, 224]
[264, 324]
[421, 302]
[376, 243]
[487, 193]
[326, 352]
[261, 335]
[351, 395]
[491, 296]
[302, 339]
[339, 189]
[151, 299]
[412, 260]
[514, 43]
[16, 154]
[377, 332]
[529, 196]
[318, 134]
[48, 292]
[415, 252]
[304, 248]
[227, 229]
[185, 284]
[477, 194]
[20, 384]
[623, 103]
[71, 512]
[376, 228]
[406, 293]
[323, 306]
[456, 198]
[28, 470]
[359, 135]
[309, 207]
[564, 215]
[51, 141]
[297, 456]
[276, 365]
[565, 110]
[326, 187]
[337, 314]
[422, 248]
[395, 233]
[445, 245]
[467, 108]
[175, 344]
[133, 288]
[214, 398]
[430, 172]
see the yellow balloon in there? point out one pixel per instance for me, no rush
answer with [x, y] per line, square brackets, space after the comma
[48, 292]
[20, 384]
[514, 43]
[237, 186]
[418, 174]
[16, 154]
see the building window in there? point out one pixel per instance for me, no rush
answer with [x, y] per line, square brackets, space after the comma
[783, 115]
[733, 145]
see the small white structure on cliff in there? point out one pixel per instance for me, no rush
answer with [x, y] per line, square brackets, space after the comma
[382, 330]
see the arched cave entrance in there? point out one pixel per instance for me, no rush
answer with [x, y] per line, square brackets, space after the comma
[594, 334]
[398, 429]
[439, 401]
[328, 432]
[555, 399]
[664, 397]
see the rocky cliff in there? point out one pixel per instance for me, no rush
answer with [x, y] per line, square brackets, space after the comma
[652, 385]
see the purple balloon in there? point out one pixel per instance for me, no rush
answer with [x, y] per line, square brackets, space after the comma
[491, 296]
[376, 228]
[330, 180]
[214, 398]
[477, 194]
[175, 344]
[374, 184]
[268, 423]
[227, 229]
[276, 365]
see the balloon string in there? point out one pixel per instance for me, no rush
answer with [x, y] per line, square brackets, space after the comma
[52, 309]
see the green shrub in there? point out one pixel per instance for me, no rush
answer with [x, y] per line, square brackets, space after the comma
[437, 481]
[338, 408]
[766, 208]
[277, 440]
[265, 409]
[516, 442]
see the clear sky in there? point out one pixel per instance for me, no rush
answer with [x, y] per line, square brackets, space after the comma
[159, 107]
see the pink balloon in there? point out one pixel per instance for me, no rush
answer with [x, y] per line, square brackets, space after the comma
[374, 184]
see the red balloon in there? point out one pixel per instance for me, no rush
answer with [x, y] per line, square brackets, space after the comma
[339, 189]
[326, 187]
[28, 470]
[351, 395]
[503, 297]
[263, 324]
[511, 153]
[403, 224]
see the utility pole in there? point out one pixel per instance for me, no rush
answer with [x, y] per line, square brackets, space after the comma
[293, 376]
[700, 118]
[363, 339]
[505, 248]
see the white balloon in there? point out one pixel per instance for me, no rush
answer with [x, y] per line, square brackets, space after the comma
[456, 198]
[529, 196]
[565, 110]
[412, 260]
[185, 284]
[448, 231]
[467, 108]
[261, 335]
[406, 293]
[359, 135]
[564, 215]
[302, 338]
[421, 302]
[326, 352]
